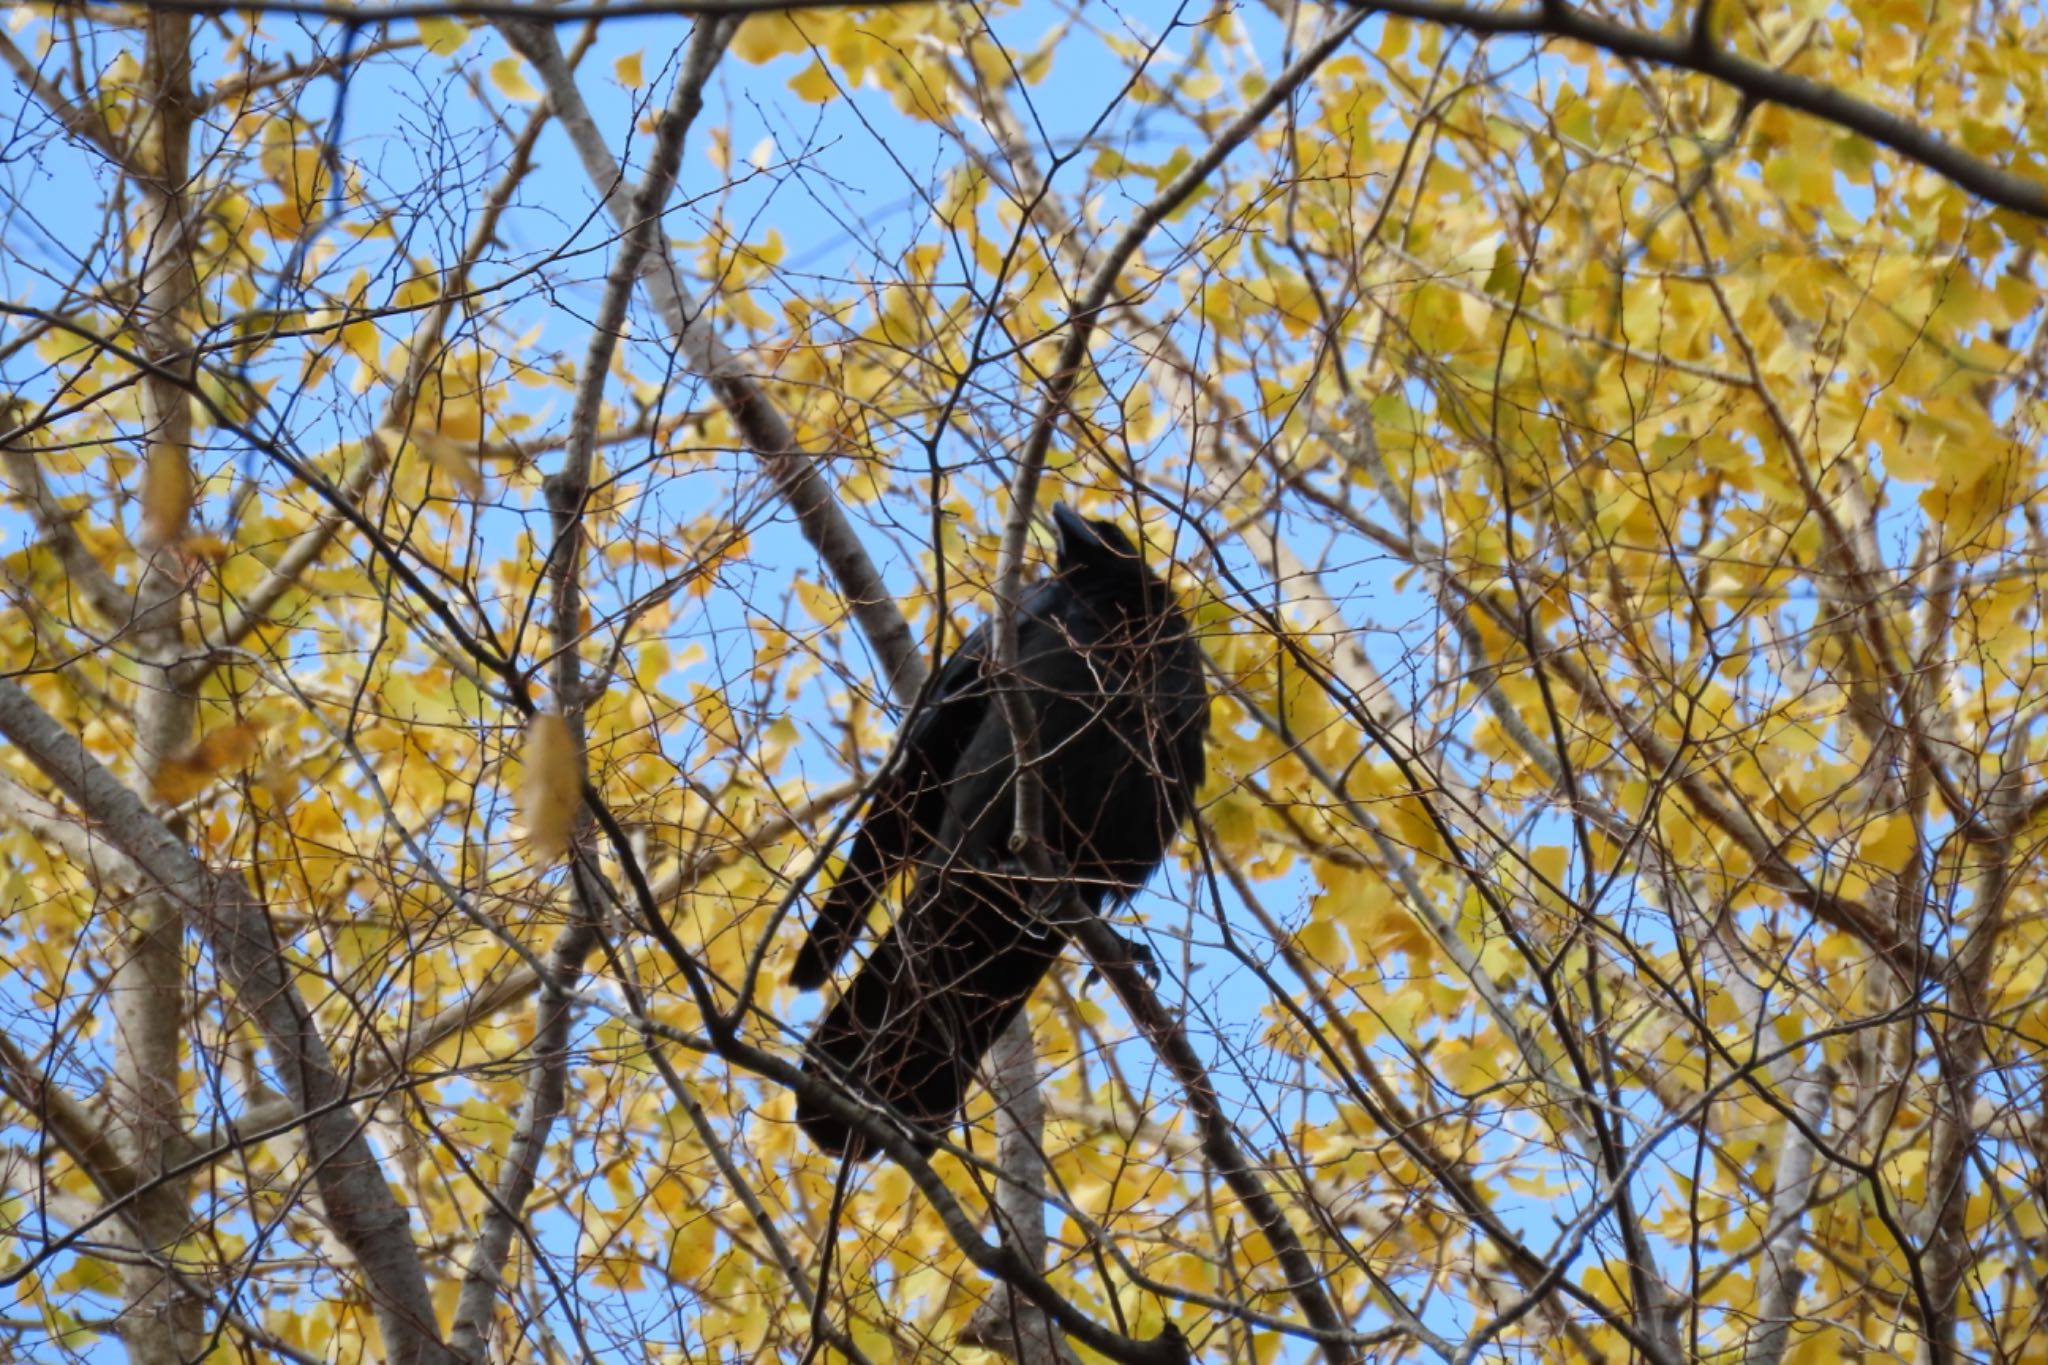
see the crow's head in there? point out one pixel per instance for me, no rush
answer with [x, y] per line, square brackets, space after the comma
[1098, 545]
[1098, 559]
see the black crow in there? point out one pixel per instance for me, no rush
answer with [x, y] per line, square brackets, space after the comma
[1114, 684]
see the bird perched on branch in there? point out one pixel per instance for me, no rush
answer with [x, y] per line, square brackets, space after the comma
[1112, 684]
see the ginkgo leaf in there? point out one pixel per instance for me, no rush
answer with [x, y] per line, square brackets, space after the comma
[627, 70]
[552, 786]
[1888, 841]
[454, 458]
[763, 37]
[815, 84]
[180, 778]
[442, 36]
[508, 78]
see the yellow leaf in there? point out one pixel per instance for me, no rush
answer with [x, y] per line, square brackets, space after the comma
[180, 778]
[1320, 943]
[166, 496]
[460, 419]
[714, 716]
[651, 664]
[508, 74]
[208, 547]
[283, 221]
[691, 1250]
[819, 602]
[89, 1275]
[764, 37]
[1887, 841]
[867, 483]
[454, 456]
[360, 340]
[551, 792]
[627, 69]
[442, 37]
[814, 84]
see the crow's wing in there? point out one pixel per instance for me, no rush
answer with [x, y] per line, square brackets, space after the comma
[909, 803]
[1183, 703]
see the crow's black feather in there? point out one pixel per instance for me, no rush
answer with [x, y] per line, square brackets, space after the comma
[1114, 684]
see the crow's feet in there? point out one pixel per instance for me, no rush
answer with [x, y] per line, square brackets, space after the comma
[1136, 953]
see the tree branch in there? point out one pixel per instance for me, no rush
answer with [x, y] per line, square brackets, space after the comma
[767, 433]
[1753, 79]
[1005, 1322]
[567, 492]
[359, 1205]
[1778, 1275]
[1684, 52]
[82, 569]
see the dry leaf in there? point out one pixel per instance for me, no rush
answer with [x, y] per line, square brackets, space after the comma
[166, 496]
[551, 793]
[184, 776]
[456, 459]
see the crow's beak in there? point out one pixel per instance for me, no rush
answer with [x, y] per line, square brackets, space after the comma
[1075, 533]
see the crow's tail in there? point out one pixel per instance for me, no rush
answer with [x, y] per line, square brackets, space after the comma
[910, 1031]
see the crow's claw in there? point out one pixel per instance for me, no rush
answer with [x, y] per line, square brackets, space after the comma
[1138, 954]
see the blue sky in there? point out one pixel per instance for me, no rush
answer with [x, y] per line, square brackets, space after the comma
[846, 185]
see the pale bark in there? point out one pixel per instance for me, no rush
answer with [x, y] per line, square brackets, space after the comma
[567, 491]
[355, 1200]
[797, 477]
[1778, 1274]
[1006, 1322]
[160, 1322]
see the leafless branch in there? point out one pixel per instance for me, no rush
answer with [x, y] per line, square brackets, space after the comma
[358, 1203]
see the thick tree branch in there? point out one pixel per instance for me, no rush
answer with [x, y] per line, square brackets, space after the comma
[1005, 1322]
[74, 838]
[163, 1323]
[767, 433]
[359, 1205]
[567, 492]
[65, 1117]
[1683, 52]
[82, 570]
[1778, 1275]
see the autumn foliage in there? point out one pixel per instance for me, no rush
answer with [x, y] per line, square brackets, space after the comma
[480, 498]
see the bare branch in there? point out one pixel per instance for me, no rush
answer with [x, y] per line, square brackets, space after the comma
[566, 493]
[358, 1203]
[767, 433]
[80, 121]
